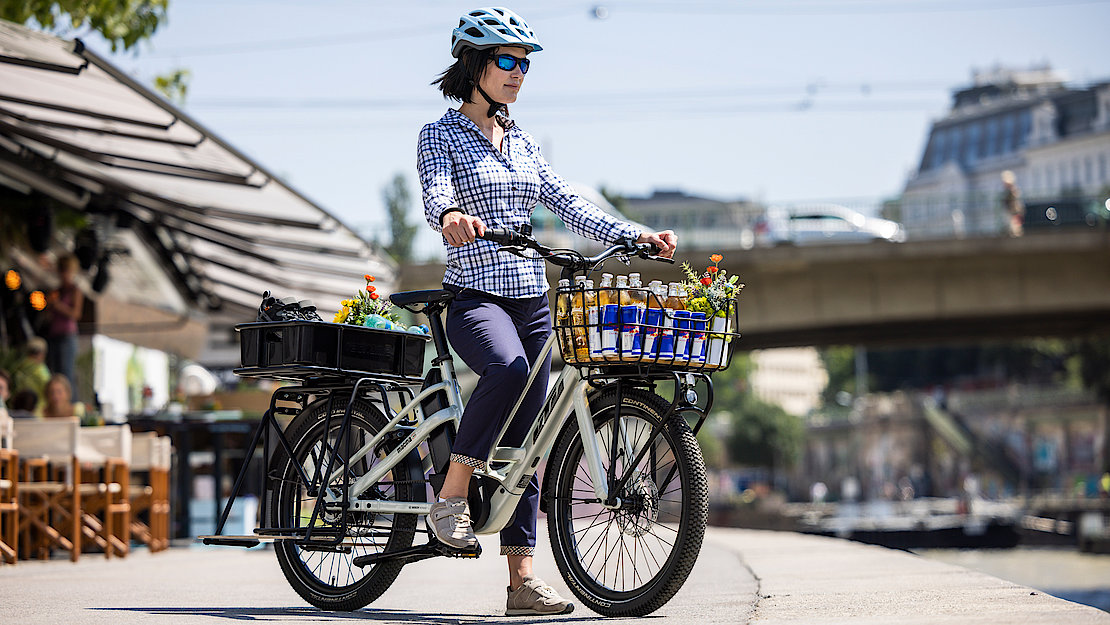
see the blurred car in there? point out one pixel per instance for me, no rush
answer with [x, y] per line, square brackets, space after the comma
[821, 224]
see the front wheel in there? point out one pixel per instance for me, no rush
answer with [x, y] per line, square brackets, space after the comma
[631, 559]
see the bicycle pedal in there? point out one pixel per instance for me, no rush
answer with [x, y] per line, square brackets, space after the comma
[452, 552]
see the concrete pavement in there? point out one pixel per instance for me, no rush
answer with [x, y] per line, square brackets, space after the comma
[742, 576]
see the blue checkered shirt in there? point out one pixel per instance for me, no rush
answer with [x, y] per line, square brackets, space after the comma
[460, 168]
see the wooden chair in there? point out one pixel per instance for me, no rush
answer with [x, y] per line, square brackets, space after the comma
[9, 491]
[160, 483]
[104, 454]
[150, 506]
[49, 500]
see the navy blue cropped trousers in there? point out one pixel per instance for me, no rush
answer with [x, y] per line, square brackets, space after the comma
[498, 338]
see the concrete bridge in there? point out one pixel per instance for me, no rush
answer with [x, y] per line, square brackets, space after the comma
[881, 293]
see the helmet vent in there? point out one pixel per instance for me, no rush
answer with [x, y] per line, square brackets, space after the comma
[473, 32]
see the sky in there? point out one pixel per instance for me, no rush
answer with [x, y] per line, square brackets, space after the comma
[771, 100]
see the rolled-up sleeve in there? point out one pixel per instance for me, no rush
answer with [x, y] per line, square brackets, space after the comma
[579, 215]
[434, 165]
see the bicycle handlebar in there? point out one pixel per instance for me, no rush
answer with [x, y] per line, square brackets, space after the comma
[514, 242]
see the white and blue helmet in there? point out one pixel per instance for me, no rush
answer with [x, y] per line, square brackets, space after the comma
[492, 27]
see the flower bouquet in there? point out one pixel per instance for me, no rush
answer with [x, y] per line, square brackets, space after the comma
[369, 309]
[714, 293]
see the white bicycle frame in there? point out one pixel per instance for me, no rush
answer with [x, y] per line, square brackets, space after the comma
[518, 463]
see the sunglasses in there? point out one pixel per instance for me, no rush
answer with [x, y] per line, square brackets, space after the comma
[509, 62]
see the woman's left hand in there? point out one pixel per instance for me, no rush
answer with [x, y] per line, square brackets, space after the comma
[666, 241]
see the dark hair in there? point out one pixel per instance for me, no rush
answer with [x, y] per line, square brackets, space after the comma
[24, 400]
[458, 81]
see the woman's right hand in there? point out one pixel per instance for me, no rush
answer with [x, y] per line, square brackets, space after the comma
[460, 228]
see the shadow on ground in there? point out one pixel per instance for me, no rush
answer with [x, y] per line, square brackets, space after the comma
[398, 616]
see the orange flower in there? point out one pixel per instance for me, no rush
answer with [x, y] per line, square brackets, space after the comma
[367, 277]
[711, 269]
[707, 280]
[716, 258]
[371, 288]
[373, 296]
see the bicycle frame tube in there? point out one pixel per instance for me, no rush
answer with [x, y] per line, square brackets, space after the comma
[569, 393]
[418, 435]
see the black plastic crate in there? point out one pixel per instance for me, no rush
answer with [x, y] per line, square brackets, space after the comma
[337, 347]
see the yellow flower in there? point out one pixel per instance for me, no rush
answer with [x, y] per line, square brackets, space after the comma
[341, 316]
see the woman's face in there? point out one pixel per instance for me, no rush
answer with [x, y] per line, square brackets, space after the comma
[503, 86]
[56, 394]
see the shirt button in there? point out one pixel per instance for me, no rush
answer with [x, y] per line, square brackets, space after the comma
[514, 187]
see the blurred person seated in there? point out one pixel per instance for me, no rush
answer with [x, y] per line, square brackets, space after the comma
[23, 405]
[31, 373]
[58, 401]
[5, 387]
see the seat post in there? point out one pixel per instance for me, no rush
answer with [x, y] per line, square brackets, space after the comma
[435, 323]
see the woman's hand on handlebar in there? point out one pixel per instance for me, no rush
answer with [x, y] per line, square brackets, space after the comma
[666, 241]
[460, 228]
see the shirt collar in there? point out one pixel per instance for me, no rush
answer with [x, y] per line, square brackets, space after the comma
[455, 116]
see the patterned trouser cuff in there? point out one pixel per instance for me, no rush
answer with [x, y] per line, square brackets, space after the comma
[515, 550]
[468, 461]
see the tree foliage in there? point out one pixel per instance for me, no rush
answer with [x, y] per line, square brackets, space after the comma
[173, 85]
[761, 434]
[123, 23]
[402, 233]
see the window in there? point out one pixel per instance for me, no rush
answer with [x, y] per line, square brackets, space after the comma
[1088, 171]
[954, 144]
[936, 155]
[992, 137]
[1007, 134]
[1025, 123]
[971, 146]
[1102, 167]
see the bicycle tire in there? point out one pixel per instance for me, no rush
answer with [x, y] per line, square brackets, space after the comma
[573, 521]
[314, 574]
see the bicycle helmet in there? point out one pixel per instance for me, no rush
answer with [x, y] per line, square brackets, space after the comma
[492, 27]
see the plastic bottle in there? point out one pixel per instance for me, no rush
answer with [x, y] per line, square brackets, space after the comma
[562, 316]
[667, 339]
[627, 319]
[609, 304]
[593, 318]
[653, 316]
[578, 320]
[633, 319]
[681, 324]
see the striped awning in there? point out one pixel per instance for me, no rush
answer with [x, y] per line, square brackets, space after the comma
[77, 130]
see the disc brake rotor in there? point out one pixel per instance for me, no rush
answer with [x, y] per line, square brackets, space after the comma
[641, 505]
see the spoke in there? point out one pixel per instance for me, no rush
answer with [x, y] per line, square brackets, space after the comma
[651, 553]
[603, 539]
[591, 526]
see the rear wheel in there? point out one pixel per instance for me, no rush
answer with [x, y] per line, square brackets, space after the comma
[326, 576]
[630, 559]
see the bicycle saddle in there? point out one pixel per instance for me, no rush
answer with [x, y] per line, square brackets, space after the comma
[432, 296]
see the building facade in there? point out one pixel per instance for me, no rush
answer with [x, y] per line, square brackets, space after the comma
[1055, 138]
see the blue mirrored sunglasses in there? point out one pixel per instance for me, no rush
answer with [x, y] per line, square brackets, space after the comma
[509, 62]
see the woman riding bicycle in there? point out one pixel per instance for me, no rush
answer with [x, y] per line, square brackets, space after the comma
[479, 170]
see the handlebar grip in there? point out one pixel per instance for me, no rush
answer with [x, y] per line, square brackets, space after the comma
[501, 236]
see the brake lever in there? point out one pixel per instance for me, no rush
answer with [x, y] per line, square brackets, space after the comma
[516, 250]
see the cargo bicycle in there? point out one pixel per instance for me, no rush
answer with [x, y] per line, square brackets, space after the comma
[348, 477]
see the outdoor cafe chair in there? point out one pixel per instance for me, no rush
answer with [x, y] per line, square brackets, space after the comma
[9, 491]
[49, 500]
[150, 500]
[104, 455]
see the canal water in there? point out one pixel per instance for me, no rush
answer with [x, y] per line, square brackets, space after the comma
[1059, 571]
